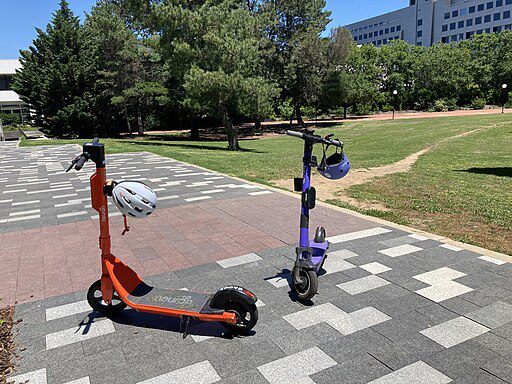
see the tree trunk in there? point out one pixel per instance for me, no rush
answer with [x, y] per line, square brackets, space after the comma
[140, 127]
[128, 123]
[194, 128]
[257, 124]
[298, 113]
[230, 129]
[345, 111]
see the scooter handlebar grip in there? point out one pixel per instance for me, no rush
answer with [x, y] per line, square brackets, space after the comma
[295, 134]
[337, 143]
[96, 140]
[80, 163]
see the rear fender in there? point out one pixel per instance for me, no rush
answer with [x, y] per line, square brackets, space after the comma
[229, 292]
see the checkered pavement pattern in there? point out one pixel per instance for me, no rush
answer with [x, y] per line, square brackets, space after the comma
[36, 191]
[393, 307]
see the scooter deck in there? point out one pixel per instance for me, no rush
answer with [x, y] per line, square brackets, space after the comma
[190, 301]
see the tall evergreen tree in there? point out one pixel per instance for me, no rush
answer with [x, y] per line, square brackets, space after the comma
[52, 80]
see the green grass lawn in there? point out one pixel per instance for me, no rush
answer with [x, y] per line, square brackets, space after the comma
[439, 194]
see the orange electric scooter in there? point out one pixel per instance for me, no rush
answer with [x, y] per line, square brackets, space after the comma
[234, 307]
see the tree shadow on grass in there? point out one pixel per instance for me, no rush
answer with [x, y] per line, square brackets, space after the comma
[188, 146]
[498, 171]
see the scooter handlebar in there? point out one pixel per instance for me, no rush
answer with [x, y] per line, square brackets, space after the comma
[315, 138]
[81, 161]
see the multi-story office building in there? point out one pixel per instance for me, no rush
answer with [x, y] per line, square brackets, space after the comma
[10, 101]
[426, 22]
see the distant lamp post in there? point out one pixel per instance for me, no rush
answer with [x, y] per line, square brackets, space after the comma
[395, 93]
[505, 98]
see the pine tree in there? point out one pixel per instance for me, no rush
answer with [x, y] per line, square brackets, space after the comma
[51, 79]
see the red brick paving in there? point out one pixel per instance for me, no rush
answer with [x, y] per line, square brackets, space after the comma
[44, 262]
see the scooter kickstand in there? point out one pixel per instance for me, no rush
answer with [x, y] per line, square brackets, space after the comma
[186, 320]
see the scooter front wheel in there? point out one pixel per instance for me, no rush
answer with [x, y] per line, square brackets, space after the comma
[95, 300]
[246, 315]
[307, 287]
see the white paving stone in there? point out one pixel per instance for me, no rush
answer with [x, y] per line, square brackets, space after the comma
[343, 254]
[442, 287]
[401, 250]
[492, 260]
[35, 377]
[358, 235]
[297, 368]
[438, 275]
[333, 264]
[260, 193]
[344, 323]
[67, 310]
[417, 373]
[200, 373]
[453, 332]
[198, 198]
[363, 284]
[278, 282]
[83, 380]
[71, 214]
[415, 236]
[79, 333]
[239, 260]
[451, 247]
[375, 268]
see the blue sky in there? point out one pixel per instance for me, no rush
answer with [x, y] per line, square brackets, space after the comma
[20, 17]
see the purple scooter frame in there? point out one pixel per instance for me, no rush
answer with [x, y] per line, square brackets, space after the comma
[311, 254]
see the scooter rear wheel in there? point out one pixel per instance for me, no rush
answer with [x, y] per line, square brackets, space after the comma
[246, 315]
[95, 300]
[308, 288]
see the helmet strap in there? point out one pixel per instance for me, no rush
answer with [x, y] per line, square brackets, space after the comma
[323, 163]
[126, 227]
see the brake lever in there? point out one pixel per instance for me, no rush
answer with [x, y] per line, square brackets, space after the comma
[73, 162]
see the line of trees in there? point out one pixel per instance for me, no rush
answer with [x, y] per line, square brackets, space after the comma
[135, 65]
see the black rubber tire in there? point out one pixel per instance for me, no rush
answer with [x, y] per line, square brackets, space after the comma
[309, 288]
[96, 302]
[246, 314]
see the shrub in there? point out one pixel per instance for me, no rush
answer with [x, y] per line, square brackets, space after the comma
[440, 106]
[10, 118]
[478, 103]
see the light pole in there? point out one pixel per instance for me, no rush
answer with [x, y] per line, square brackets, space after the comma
[395, 92]
[505, 94]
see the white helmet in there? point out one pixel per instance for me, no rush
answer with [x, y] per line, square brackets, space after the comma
[134, 198]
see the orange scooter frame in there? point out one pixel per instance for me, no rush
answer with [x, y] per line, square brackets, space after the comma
[120, 286]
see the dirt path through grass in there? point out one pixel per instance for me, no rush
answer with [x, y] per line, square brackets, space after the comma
[327, 189]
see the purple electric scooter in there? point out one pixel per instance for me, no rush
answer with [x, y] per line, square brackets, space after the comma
[311, 254]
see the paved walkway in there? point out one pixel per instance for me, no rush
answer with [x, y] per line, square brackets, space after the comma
[393, 307]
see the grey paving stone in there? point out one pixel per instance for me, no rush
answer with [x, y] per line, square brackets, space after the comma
[494, 315]
[459, 305]
[495, 343]
[363, 284]
[504, 331]
[358, 370]
[499, 367]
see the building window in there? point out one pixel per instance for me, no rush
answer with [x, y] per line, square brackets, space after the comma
[445, 27]
[419, 44]
[384, 41]
[455, 13]
[469, 35]
[370, 35]
[461, 36]
[469, 22]
[453, 26]
[508, 2]
[508, 27]
[379, 42]
[497, 29]
[420, 22]
[473, 9]
[487, 18]
[381, 32]
[478, 20]
[447, 15]
[481, 7]
[419, 34]
[490, 4]
[480, 31]
[445, 39]
[497, 16]
[499, 3]
[506, 15]
[399, 27]
[365, 36]
[461, 24]
[454, 38]
[392, 29]
[487, 30]
[386, 31]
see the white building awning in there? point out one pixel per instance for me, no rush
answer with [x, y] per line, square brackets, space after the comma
[9, 97]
